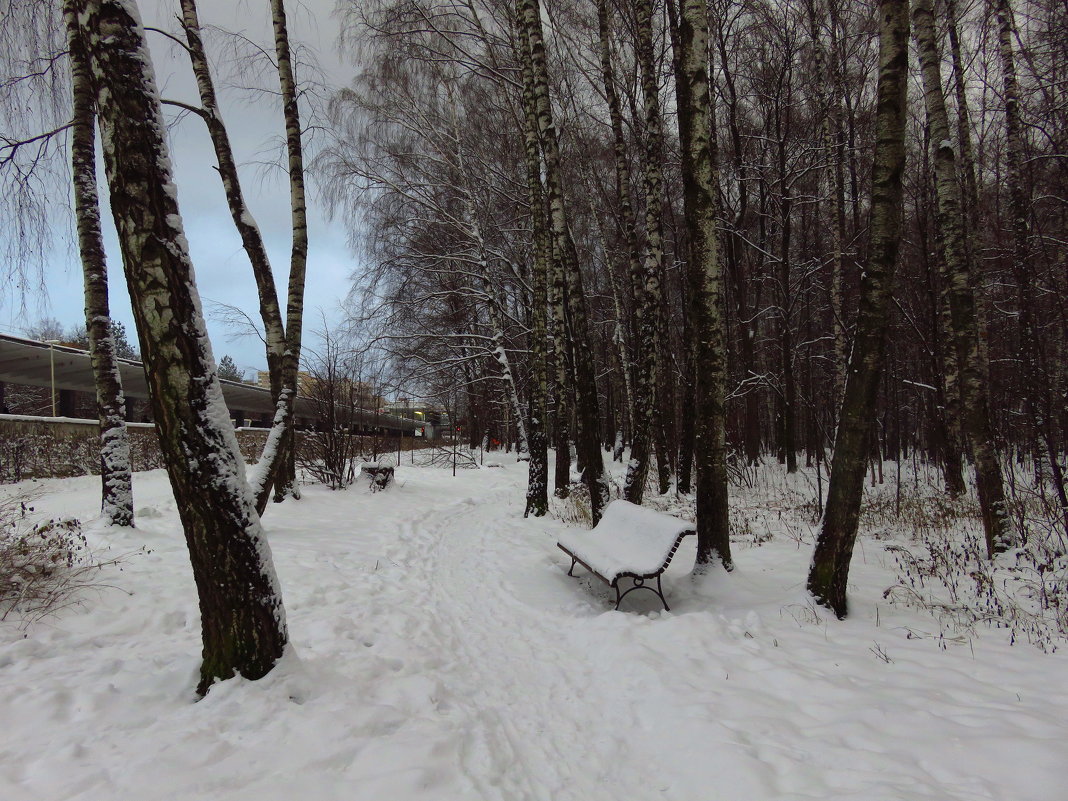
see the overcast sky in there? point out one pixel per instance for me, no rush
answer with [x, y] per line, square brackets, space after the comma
[256, 128]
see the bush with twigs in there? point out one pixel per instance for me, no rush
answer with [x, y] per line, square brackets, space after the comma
[45, 567]
[943, 567]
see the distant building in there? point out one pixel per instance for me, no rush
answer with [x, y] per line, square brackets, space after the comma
[359, 394]
[305, 381]
[432, 415]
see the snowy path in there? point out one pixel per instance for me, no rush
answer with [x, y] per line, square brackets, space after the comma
[529, 696]
[441, 652]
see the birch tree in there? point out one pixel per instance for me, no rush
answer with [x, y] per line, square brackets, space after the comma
[116, 479]
[528, 13]
[645, 283]
[705, 283]
[829, 570]
[242, 618]
[951, 220]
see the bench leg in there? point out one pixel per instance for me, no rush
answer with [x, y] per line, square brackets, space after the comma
[574, 562]
[639, 584]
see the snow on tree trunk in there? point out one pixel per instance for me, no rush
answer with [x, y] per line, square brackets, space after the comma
[626, 211]
[587, 412]
[705, 285]
[278, 471]
[248, 230]
[115, 476]
[242, 617]
[829, 570]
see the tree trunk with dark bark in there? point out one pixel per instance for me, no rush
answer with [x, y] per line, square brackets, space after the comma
[538, 470]
[829, 571]
[242, 618]
[705, 284]
[116, 480]
[587, 412]
[645, 283]
[975, 418]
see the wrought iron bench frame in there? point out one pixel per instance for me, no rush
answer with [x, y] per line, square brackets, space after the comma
[380, 476]
[638, 579]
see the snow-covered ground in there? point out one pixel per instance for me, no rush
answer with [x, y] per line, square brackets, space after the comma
[440, 651]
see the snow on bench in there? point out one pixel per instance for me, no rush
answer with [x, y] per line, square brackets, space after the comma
[629, 542]
[379, 475]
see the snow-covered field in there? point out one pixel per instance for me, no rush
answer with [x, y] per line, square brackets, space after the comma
[440, 651]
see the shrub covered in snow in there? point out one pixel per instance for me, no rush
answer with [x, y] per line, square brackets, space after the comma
[44, 566]
[944, 568]
[330, 457]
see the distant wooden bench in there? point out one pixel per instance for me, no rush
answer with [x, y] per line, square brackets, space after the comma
[379, 475]
[629, 542]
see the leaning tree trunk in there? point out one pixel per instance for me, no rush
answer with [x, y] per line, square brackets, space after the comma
[242, 618]
[587, 412]
[276, 469]
[705, 281]
[834, 547]
[244, 222]
[473, 231]
[115, 477]
[975, 418]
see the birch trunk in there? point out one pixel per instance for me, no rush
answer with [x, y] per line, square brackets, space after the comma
[474, 233]
[558, 339]
[1035, 377]
[248, 230]
[687, 428]
[279, 471]
[538, 472]
[705, 284]
[626, 211]
[975, 419]
[242, 618]
[588, 440]
[829, 570]
[274, 470]
[970, 197]
[116, 504]
[645, 284]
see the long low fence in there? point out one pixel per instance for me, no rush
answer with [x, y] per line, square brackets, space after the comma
[59, 447]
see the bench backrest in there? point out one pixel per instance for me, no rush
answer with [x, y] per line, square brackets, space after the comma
[628, 539]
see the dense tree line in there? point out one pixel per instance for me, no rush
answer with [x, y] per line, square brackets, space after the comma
[432, 161]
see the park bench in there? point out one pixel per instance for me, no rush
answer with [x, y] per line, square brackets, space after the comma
[379, 475]
[629, 542]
